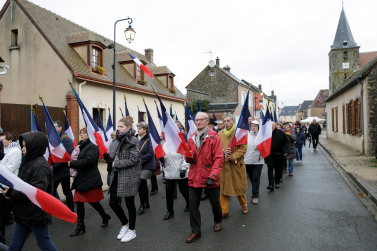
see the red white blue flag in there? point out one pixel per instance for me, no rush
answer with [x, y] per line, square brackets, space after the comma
[101, 129]
[35, 127]
[155, 138]
[174, 140]
[93, 130]
[190, 124]
[109, 130]
[264, 137]
[140, 64]
[57, 149]
[45, 201]
[68, 131]
[243, 127]
[160, 121]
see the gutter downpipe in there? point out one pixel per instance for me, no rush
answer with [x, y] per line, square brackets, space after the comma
[80, 85]
[362, 112]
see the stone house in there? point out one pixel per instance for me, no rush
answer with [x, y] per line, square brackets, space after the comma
[288, 114]
[224, 91]
[318, 105]
[44, 50]
[302, 112]
[352, 103]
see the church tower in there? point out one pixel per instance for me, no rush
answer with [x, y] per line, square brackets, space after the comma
[343, 56]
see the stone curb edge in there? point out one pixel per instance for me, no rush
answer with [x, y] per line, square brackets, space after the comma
[358, 181]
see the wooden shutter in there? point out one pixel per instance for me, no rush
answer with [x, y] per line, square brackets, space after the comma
[332, 119]
[344, 118]
[336, 119]
[358, 116]
[348, 118]
[353, 120]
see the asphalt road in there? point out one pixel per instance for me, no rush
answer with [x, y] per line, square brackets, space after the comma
[313, 210]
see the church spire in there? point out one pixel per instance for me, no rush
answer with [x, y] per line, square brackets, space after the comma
[343, 36]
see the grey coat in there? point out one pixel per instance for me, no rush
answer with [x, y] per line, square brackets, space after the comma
[128, 165]
[291, 139]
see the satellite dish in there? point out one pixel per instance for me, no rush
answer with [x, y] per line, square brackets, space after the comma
[211, 63]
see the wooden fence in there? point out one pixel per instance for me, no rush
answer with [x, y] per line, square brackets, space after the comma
[17, 118]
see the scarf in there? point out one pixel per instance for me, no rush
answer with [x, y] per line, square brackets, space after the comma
[121, 139]
[199, 137]
[13, 144]
[230, 131]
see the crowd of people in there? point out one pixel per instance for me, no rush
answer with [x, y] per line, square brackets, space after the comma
[215, 172]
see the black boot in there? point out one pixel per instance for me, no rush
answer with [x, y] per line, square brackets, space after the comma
[80, 221]
[70, 204]
[169, 215]
[105, 220]
[141, 210]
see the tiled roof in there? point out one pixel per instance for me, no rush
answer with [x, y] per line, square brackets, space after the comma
[366, 57]
[234, 77]
[343, 34]
[305, 105]
[160, 70]
[58, 31]
[221, 107]
[353, 80]
[289, 111]
[319, 101]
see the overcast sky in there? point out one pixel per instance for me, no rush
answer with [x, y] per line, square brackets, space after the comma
[281, 44]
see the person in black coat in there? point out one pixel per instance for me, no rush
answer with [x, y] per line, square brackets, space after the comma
[35, 171]
[148, 165]
[279, 149]
[314, 131]
[88, 182]
[61, 170]
[300, 139]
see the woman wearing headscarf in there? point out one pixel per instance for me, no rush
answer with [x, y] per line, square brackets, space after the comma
[253, 161]
[124, 158]
[88, 182]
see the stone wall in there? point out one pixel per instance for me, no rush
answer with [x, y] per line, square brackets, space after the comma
[221, 87]
[371, 121]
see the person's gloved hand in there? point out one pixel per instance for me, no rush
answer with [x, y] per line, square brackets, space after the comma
[162, 160]
[211, 182]
[182, 173]
[106, 156]
[110, 162]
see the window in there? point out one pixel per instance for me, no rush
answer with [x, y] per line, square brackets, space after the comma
[358, 117]
[250, 101]
[291, 118]
[138, 71]
[345, 55]
[142, 114]
[345, 75]
[95, 115]
[14, 39]
[212, 73]
[336, 119]
[95, 58]
[345, 43]
[344, 118]
[351, 121]
[243, 97]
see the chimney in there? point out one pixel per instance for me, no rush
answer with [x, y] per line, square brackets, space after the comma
[260, 87]
[149, 54]
[272, 95]
[227, 68]
[218, 62]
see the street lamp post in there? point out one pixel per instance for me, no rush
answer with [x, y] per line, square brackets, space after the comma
[130, 36]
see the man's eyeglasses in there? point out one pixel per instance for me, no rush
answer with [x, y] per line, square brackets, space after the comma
[199, 120]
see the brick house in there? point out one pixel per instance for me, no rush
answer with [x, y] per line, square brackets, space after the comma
[43, 50]
[351, 105]
[224, 91]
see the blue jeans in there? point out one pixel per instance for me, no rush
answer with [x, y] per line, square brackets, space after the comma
[298, 153]
[21, 232]
[290, 165]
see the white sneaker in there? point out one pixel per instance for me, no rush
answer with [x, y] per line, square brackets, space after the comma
[123, 231]
[131, 234]
[300, 161]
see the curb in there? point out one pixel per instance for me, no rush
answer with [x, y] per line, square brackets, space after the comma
[354, 177]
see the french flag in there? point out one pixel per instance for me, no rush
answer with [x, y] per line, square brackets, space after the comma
[45, 201]
[101, 129]
[57, 149]
[192, 115]
[121, 112]
[276, 120]
[155, 138]
[199, 107]
[190, 124]
[109, 130]
[173, 136]
[264, 137]
[91, 127]
[161, 122]
[35, 127]
[176, 116]
[214, 117]
[140, 64]
[140, 116]
[125, 104]
[68, 131]
[242, 129]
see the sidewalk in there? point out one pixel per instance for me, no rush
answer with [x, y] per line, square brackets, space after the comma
[357, 166]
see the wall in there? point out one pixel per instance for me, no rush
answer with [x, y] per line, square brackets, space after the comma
[35, 69]
[354, 141]
[222, 88]
[370, 105]
[316, 112]
[237, 111]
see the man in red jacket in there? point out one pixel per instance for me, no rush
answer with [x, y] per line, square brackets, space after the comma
[205, 146]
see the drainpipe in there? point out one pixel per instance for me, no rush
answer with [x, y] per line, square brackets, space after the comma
[209, 95]
[80, 85]
[362, 112]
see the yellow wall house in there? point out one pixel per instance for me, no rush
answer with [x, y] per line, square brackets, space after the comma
[44, 50]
